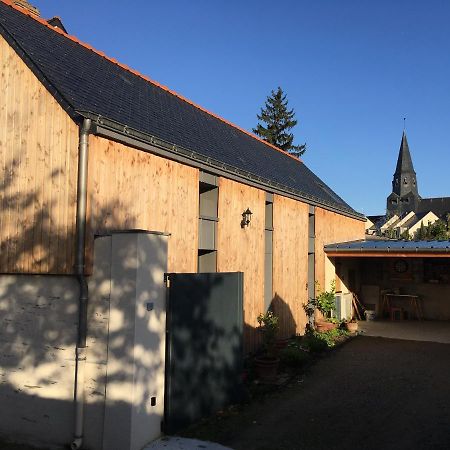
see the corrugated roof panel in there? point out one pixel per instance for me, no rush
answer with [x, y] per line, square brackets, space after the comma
[389, 245]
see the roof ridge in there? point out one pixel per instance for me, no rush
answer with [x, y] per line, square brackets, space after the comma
[149, 80]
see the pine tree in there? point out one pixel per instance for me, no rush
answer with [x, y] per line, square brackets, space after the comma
[277, 121]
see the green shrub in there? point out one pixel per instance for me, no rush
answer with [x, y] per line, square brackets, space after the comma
[268, 324]
[293, 356]
[325, 301]
[318, 342]
[313, 343]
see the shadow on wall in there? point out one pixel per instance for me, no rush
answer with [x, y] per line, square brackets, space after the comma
[126, 345]
[287, 324]
[39, 317]
[253, 337]
[205, 354]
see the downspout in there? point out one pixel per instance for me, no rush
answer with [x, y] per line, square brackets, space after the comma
[80, 351]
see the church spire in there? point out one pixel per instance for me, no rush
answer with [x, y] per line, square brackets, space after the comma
[405, 196]
[405, 176]
[404, 161]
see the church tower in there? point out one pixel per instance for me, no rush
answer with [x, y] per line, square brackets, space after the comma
[405, 195]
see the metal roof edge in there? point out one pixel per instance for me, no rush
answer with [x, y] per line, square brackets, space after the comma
[108, 128]
[345, 247]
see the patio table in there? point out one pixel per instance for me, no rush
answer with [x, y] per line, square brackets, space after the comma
[414, 301]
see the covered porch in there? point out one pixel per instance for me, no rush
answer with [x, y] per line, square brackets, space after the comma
[424, 331]
[402, 281]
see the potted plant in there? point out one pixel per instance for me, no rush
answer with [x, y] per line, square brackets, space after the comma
[267, 363]
[351, 325]
[325, 303]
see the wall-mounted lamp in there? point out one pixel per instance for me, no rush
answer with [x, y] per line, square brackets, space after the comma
[246, 217]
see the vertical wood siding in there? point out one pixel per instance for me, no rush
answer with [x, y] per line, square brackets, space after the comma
[242, 249]
[290, 263]
[38, 173]
[332, 228]
[131, 189]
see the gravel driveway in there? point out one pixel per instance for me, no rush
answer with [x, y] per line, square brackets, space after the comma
[372, 393]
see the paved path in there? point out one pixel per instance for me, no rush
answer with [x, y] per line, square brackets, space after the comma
[411, 330]
[372, 393]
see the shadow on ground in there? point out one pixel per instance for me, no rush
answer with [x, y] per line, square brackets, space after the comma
[371, 393]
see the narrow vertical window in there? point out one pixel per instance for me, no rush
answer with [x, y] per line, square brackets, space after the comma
[207, 226]
[311, 252]
[268, 252]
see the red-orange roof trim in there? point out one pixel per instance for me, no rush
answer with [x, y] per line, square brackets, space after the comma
[134, 72]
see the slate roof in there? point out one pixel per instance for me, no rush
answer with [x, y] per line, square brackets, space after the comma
[390, 246]
[88, 84]
[439, 205]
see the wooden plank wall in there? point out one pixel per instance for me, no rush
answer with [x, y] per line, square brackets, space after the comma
[38, 173]
[331, 228]
[242, 249]
[290, 264]
[131, 189]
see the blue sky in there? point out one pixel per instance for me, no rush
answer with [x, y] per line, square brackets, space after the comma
[352, 69]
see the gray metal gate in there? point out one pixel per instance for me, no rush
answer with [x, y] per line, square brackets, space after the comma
[204, 346]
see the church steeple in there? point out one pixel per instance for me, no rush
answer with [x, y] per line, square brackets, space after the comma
[404, 177]
[405, 194]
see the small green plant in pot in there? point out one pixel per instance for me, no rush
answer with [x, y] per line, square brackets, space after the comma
[325, 303]
[268, 325]
[351, 325]
[267, 363]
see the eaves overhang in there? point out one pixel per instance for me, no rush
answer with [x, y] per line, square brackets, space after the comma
[389, 248]
[110, 129]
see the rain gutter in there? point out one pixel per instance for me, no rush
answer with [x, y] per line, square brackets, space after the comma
[110, 129]
[80, 351]
[389, 250]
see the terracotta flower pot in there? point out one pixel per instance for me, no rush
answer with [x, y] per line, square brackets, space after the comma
[280, 344]
[322, 326]
[266, 368]
[352, 327]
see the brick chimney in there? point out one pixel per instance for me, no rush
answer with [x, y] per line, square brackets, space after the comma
[25, 5]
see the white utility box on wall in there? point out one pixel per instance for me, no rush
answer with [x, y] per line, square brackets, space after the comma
[134, 263]
[344, 306]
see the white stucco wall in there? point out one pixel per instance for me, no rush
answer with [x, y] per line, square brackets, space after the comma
[38, 317]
